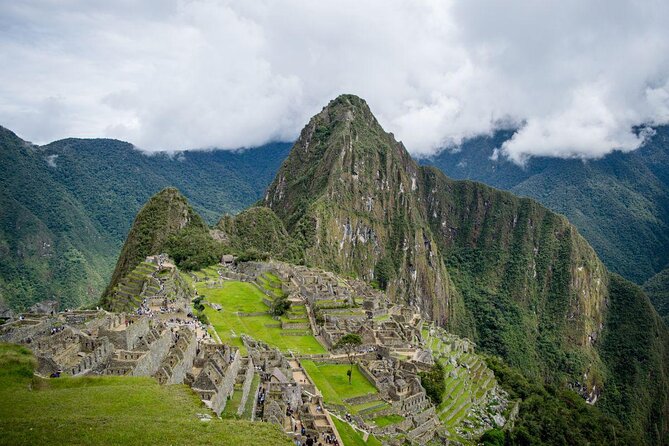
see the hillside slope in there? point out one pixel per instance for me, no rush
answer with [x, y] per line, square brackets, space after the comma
[504, 270]
[67, 207]
[49, 246]
[166, 223]
[347, 193]
[104, 410]
[620, 203]
[657, 289]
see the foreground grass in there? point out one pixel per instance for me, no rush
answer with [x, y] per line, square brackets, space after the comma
[246, 298]
[332, 381]
[351, 437]
[109, 411]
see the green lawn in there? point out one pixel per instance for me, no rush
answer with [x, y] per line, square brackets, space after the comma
[332, 381]
[109, 410]
[246, 298]
[351, 437]
[387, 420]
[248, 409]
[232, 405]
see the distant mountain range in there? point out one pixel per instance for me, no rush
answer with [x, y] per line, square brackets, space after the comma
[620, 203]
[66, 207]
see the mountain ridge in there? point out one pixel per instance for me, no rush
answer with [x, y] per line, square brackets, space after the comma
[515, 276]
[620, 203]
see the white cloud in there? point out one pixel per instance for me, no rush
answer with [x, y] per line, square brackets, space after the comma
[189, 74]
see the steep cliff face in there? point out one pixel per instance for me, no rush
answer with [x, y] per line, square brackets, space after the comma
[535, 288]
[349, 194]
[516, 277]
[166, 214]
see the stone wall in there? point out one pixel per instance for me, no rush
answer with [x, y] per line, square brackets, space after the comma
[149, 363]
[246, 388]
[128, 338]
[95, 358]
[179, 360]
[227, 385]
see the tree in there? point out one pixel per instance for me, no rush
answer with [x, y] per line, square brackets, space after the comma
[348, 343]
[433, 382]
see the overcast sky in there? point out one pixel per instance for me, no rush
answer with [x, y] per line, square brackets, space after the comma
[167, 74]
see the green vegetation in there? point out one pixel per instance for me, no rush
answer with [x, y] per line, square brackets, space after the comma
[280, 306]
[634, 346]
[242, 297]
[387, 420]
[332, 381]
[258, 233]
[433, 382]
[657, 289]
[50, 246]
[505, 271]
[620, 203]
[349, 343]
[552, 416]
[351, 437]
[109, 410]
[193, 249]
[165, 223]
[67, 207]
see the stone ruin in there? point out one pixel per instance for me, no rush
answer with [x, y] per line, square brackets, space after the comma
[160, 338]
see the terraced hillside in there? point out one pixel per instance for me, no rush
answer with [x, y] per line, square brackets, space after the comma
[471, 399]
[236, 307]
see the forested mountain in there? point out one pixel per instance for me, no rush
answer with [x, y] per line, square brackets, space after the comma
[620, 203]
[517, 278]
[67, 206]
[657, 288]
[49, 245]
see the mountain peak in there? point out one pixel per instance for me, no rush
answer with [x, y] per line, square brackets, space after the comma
[165, 214]
[342, 150]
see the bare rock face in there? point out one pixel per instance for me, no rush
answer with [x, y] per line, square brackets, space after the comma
[45, 307]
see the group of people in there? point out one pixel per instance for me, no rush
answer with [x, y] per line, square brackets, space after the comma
[55, 330]
[309, 441]
[144, 309]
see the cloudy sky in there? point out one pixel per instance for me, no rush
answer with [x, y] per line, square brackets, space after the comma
[574, 76]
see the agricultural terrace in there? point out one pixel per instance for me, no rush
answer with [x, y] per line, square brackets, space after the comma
[243, 311]
[332, 381]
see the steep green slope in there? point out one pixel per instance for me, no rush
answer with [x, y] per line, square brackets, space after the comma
[104, 410]
[535, 288]
[504, 270]
[657, 289]
[347, 194]
[259, 231]
[49, 246]
[113, 180]
[66, 208]
[619, 203]
[166, 223]
[634, 346]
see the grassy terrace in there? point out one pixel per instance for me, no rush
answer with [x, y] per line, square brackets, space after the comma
[352, 437]
[109, 410]
[462, 391]
[387, 420]
[332, 381]
[242, 297]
